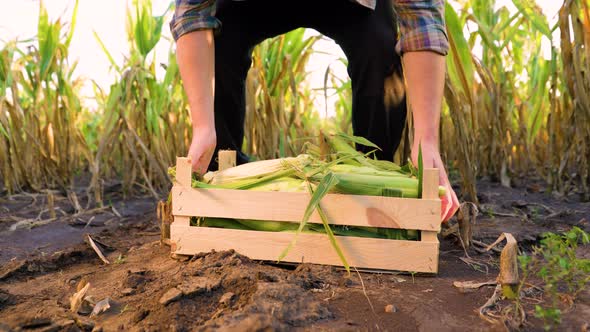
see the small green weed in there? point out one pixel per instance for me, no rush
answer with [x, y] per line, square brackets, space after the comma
[120, 259]
[562, 273]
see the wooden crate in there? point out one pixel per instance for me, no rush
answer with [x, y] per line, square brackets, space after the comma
[353, 210]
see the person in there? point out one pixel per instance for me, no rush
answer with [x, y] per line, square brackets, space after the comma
[215, 38]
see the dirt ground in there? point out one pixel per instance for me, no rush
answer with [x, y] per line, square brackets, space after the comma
[45, 259]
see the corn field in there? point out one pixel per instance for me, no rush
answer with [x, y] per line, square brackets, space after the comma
[509, 111]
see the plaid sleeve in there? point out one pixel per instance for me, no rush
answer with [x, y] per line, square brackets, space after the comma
[191, 15]
[422, 26]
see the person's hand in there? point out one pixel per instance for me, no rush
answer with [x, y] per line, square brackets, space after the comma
[431, 159]
[202, 148]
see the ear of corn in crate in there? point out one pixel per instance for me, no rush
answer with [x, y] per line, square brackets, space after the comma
[341, 169]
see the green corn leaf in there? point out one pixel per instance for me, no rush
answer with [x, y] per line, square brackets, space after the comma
[358, 140]
[482, 10]
[73, 21]
[533, 13]
[3, 131]
[332, 238]
[483, 30]
[106, 52]
[48, 36]
[511, 33]
[459, 63]
[541, 71]
[326, 184]
[420, 170]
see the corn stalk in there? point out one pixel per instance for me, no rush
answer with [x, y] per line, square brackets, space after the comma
[145, 124]
[41, 142]
[279, 106]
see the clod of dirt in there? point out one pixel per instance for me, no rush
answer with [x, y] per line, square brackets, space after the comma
[390, 308]
[65, 324]
[278, 306]
[127, 291]
[50, 328]
[223, 297]
[226, 298]
[198, 285]
[5, 299]
[346, 282]
[137, 279]
[139, 316]
[12, 268]
[180, 258]
[86, 307]
[84, 324]
[310, 276]
[56, 328]
[519, 204]
[255, 322]
[171, 295]
[263, 276]
[34, 322]
[38, 265]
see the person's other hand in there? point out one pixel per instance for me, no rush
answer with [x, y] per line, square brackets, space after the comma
[202, 148]
[431, 159]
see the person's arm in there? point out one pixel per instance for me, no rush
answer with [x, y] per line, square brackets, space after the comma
[195, 54]
[424, 72]
[192, 27]
[423, 45]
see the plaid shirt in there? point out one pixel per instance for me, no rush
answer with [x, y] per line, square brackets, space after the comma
[421, 22]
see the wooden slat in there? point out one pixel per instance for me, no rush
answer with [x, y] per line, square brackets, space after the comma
[430, 181]
[429, 236]
[226, 159]
[183, 172]
[352, 210]
[182, 220]
[413, 256]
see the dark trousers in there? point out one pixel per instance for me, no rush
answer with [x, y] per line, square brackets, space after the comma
[367, 38]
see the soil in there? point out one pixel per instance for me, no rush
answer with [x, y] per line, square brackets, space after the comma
[45, 260]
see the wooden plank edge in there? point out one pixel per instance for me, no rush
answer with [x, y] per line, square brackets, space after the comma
[283, 202]
[226, 159]
[364, 253]
[183, 172]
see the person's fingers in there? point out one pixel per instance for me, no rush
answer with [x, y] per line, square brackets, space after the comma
[204, 162]
[195, 154]
[196, 161]
[446, 201]
[453, 206]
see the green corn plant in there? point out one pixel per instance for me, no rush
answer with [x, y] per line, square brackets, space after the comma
[460, 98]
[571, 118]
[145, 123]
[42, 142]
[498, 102]
[279, 103]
